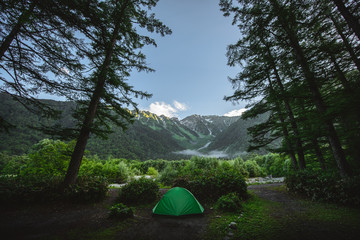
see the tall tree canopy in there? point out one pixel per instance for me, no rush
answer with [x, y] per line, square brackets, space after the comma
[82, 50]
[299, 61]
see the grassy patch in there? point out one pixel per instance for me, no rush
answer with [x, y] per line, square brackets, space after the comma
[254, 222]
[263, 219]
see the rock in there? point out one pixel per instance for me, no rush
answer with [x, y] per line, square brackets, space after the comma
[232, 225]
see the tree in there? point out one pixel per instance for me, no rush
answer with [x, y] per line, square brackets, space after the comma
[114, 55]
[319, 69]
[351, 19]
[39, 52]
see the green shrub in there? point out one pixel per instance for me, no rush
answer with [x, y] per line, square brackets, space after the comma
[168, 175]
[14, 164]
[140, 191]
[254, 169]
[152, 172]
[325, 186]
[239, 165]
[18, 189]
[44, 189]
[229, 203]
[121, 211]
[48, 158]
[87, 189]
[213, 184]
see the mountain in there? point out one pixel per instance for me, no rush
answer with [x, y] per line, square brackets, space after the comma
[234, 140]
[208, 125]
[150, 137]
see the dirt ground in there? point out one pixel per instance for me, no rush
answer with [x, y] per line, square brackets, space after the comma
[69, 221]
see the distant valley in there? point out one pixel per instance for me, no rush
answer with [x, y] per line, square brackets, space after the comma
[150, 137]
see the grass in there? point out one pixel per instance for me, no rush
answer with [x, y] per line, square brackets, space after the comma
[253, 223]
[263, 219]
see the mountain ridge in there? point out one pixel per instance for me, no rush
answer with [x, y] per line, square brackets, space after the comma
[150, 137]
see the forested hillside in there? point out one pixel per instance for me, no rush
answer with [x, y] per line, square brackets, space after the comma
[149, 137]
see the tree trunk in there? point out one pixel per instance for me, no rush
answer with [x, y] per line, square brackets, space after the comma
[299, 147]
[318, 153]
[310, 78]
[80, 146]
[285, 131]
[349, 18]
[347, 45]
[24, 17]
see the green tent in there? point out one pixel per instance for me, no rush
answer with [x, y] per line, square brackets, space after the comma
[176, 202]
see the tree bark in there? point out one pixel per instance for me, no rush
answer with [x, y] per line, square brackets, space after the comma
[311, 80]
[319, 155]
[299, 147]
[285, 131]
[85, 130]
[347, 45]
[349, 18]
[24, 17]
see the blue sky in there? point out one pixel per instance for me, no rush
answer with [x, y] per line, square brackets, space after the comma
[191, 71]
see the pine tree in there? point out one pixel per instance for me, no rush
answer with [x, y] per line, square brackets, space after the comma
[115, 55]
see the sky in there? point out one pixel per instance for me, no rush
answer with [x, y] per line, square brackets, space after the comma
[191, 71]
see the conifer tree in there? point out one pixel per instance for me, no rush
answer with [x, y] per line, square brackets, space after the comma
[115, 54]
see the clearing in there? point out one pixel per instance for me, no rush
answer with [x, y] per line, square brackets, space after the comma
[272, 214]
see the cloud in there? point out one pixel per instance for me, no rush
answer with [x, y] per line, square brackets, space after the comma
[180, 106]
[212, 154]
[236, 112]
[162, 108]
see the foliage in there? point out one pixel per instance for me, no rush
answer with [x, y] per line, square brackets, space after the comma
[152, 172]
[239, 165]
[229, 203]
[211, 185]
[87, 189]
[121, 211]
[168, 175]
[140, 191]
[48, 158]
[11, 165]
[325, 186]
[253, 168]
[38, 189]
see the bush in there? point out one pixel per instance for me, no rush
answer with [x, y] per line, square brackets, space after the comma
[152, 172]
[48, 158]
[229, 203]
[213, 184]
[168, 175]
[87, 189]
[254, 169]
[13, 164]
[140, 191]
[44, 189]
[239, 165]
[121, 211]
[325, 186]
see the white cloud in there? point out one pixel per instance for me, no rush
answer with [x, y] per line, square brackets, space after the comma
[236, 112]
[180, 106]
[162, 108]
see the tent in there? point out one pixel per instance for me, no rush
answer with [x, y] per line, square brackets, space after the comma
[176, 202]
